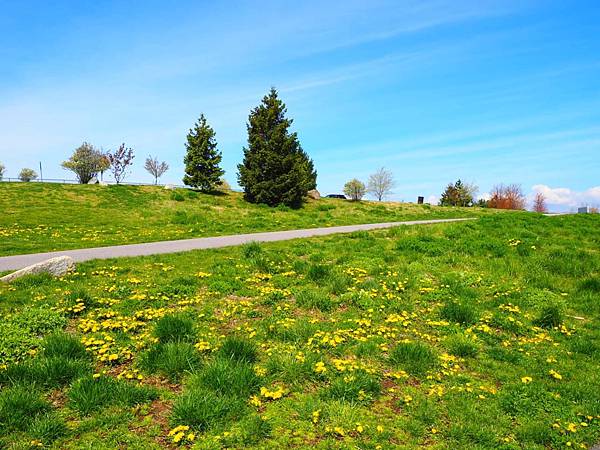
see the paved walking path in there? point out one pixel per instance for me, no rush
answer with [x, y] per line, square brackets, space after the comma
[153, 248]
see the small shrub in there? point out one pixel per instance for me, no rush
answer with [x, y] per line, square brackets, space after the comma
[461, 346]
[172, 359]
[461, 313]
[237, 349]
[201, 409]
[27, 175]
[175, 328]
[64, 345]
[226, 377]
[414, 357]
[18, 406]
[88, 394]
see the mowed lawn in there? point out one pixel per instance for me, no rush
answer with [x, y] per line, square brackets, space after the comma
[471, 335]
[39, 217]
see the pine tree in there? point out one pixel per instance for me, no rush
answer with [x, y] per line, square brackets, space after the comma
[275, 169]
[202, 159]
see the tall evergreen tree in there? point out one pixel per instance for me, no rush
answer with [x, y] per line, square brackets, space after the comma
[202, 159]
[275, 169]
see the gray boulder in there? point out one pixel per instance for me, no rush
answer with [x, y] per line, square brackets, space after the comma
[58, 267]
[169, 187]
[93, 180]
[314, 194]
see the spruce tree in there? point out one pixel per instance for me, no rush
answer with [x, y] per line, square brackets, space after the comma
[202, 159]
[275, 169]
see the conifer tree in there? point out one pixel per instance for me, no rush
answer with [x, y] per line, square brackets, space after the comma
[202, 159]
[275, 170]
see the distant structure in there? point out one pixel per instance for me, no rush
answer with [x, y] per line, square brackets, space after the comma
[420, 200]
[583, 210]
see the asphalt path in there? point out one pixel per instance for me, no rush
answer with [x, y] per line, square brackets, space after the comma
[17, 262]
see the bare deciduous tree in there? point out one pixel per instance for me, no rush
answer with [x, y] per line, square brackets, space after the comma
[507, 197]
[120, 160]
[155, 167]
[2, 168]
[539, 203]
[380, 183]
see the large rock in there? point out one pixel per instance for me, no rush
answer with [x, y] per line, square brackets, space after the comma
[314, 194]
[170, 187]
[58, 267]
[93, 180]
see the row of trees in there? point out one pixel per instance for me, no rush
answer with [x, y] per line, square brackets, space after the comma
[379, 185]
[502, 196]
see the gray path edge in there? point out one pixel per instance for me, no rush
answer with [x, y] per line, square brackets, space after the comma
[16, 262]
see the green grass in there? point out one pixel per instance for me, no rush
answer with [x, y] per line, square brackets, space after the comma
[456, 338]
[39, 217]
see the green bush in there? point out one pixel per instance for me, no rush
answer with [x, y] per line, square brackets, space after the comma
[19, 405]
[175, 328]
[88, 394]
[172, 359]
[237, 349]
[414, 357]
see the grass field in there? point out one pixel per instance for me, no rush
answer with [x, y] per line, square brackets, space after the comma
[39, 217]
[472, 335]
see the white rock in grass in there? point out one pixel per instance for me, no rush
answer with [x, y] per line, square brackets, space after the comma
[58, 267]
[169, 187]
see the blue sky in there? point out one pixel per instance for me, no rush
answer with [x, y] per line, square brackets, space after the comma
[487, 91]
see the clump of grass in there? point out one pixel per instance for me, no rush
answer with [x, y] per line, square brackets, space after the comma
[237, 349]
[550, 315]
[251, 250]
[318, 272]
[590, 284]
[202, 409]
[64, 345]
[48, 428]
[353, 388]
[414, 357]
[177, 196]
[88, 394]
[19, 405]
[458, 312]
[172, 359]
[461, 346]
[46, 372]
[314, 299]
[175, 328]
[226, 377]
[251, 430]
[337, 283]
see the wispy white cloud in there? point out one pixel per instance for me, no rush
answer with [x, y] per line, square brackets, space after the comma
[566, 197]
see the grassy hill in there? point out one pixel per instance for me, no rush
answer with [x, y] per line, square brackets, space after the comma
[480, 334]
[40, 217]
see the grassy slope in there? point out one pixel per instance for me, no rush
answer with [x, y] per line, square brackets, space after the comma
[40, 217]
[486, 383]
